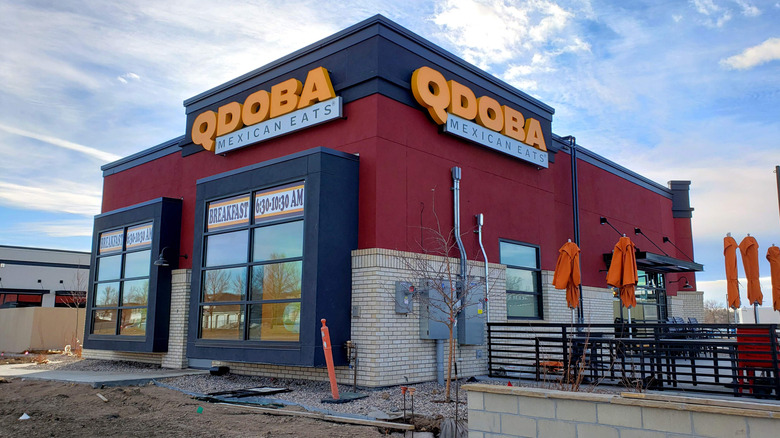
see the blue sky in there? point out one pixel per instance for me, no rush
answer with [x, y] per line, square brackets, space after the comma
[670, 89]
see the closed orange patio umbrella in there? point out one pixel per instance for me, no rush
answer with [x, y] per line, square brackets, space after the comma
[749, 250]
[567, 274]
[732, 283]
[773, 255]
[622, 272]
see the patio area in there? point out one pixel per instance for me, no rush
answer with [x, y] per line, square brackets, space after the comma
[741, 360]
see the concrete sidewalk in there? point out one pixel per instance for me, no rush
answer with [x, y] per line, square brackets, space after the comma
[97, 379]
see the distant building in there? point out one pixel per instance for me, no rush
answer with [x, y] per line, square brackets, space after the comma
[766, 315]
[42, 297]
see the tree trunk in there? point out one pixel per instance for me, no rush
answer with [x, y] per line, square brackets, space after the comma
[449, 365]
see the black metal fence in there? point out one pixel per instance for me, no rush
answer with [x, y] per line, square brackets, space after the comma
[709, 358]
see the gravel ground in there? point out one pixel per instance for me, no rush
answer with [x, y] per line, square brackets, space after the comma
[305, 393]
[427, 396]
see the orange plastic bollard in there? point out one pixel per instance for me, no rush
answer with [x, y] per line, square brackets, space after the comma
[334, 389]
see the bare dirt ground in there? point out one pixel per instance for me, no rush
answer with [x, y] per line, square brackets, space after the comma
[62, 410]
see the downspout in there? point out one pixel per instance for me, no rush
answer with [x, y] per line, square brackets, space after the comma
[575, 206]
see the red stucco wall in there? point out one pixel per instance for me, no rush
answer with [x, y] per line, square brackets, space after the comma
[405, 176]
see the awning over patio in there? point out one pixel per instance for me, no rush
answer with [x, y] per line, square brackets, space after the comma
[660, 263]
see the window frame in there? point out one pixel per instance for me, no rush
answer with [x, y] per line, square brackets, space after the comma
[538, 283]
[330, 235]
[165, 216]
[247, 301]
[119, 306]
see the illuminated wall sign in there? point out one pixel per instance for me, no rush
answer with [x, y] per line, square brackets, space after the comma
[111, 241]
[471, 131]
[288, 107]
[279, 202]
[228, 213]
[139, 236]
[300, 119]
[481, 120]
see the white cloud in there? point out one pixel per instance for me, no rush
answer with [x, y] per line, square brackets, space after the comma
[716, 16]
[754, 56]
[716, 290]
[705, 7]
[64, 228]
[125, 78]
[86, 150]
[60, 196]
[748, 9]
[492, 32]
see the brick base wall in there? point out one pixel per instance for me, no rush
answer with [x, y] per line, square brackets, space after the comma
[176, 357]
[688, 304]
[154, 358]
[389, 344]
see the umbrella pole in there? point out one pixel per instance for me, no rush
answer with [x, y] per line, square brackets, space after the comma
[630, 333]
[572, 316]
[755, 311]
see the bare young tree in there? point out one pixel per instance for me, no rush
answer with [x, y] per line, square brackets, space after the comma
[437, 269]
[715, 312]
[76, 298]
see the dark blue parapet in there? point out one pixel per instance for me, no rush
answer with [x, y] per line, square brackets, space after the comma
[330, 234]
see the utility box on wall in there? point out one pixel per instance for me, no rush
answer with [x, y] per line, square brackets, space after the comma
[432, 314]
[471, 320]
[404, 294]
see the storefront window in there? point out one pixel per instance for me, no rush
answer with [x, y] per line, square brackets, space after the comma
[264, 283]
[523, 280]
[121, 289]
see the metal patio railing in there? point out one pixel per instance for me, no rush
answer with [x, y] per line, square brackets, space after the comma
[708, 358]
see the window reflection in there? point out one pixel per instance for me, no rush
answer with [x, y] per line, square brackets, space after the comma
[221, 322]
[137, 264]
[227, 248]
[224, 284]
[133, 322]
[520, 280]
[520, 305]
[278, 321]
[277, 281]
[106, 294]
[104, 322]
[135, 293]
[278, 242]
[109, 268]
[518, 255]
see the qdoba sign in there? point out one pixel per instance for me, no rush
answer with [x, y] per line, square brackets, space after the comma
[481, 120]
[289, 106]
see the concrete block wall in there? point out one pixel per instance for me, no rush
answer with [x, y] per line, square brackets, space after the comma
[176, 356]
[499, 411]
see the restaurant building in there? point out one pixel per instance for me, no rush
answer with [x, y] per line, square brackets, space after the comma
[313, 187]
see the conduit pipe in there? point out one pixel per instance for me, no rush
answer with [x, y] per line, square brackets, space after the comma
[480, 223]
[456, 175]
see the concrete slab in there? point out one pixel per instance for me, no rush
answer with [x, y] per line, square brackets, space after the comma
[97, 379]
